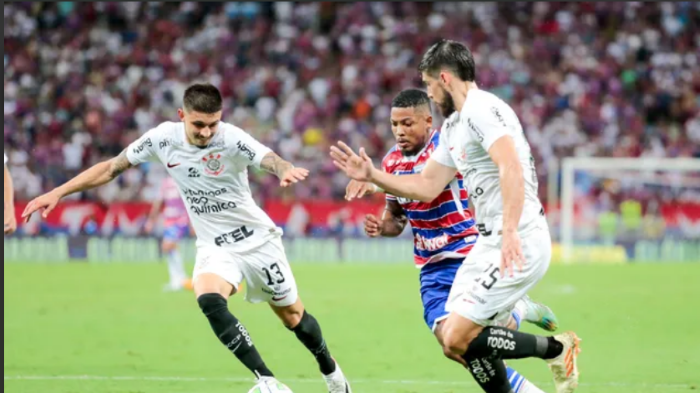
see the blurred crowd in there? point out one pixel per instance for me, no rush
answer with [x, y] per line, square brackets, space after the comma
[82, 80]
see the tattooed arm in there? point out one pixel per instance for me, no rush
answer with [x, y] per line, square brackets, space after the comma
[272, 163]
[94, 177]
[284, 170]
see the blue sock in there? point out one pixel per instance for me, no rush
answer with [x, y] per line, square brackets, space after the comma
[517, 318]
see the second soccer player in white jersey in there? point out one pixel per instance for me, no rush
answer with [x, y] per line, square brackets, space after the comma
[236, 240]
[482, 139]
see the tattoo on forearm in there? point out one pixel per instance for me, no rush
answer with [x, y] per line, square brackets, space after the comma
[119, 165]
[274, 164]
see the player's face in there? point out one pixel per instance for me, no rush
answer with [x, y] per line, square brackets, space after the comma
[200, 127]
[411, 128]
[440, 96]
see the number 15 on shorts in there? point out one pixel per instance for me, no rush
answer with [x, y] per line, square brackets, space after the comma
[489, 277]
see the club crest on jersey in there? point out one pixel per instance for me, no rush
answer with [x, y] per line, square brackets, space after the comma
[213, 163]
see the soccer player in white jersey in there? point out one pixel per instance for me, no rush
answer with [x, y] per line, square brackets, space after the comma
[236, 240]
[482, 138]
[10, 219]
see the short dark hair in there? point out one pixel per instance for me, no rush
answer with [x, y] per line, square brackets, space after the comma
[203, 98]
[411, 98]
[452, 55]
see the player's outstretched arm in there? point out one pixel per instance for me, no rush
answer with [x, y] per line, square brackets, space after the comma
[424, 187]
[505, 155]
[10, 220]
[94, 177]
[284, 170]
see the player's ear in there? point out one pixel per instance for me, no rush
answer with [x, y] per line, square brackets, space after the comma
[445, 78]
[181, 114]
[429, 121]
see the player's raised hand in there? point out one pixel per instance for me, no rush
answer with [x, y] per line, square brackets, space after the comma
[292, 176]
[511, 253]
[357, 167]
[10, 222]
[46, 203]
[373, 226]
[359, 189]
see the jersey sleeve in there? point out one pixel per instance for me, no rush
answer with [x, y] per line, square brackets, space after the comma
[248, 150]
[386, 169]
[144, 149]
[487, 125]
[441, 154]
[5, 158]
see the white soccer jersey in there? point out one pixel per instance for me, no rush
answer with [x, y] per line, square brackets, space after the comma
[466, 138]
[213, 183]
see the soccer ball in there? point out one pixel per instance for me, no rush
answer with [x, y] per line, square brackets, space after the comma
[270, 387]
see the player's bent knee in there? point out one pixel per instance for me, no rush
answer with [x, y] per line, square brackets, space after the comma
[457, 335]
[290, 316]
[454, 343]
[211, 283]
[212, 303]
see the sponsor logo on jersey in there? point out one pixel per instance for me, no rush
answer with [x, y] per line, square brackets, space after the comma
[193, 173]
[213, 163]
[201, 202]
[140, 148]
[497, 113]
[168, 142]
[217, 145]
[405, 201]
[434, 244]
[246, 150]
[476, 130]
[235, 236]
[451, 121]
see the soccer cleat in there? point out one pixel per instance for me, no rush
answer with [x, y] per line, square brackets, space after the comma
[337, 383]
[565, 366]
[269, 384]
[540, 315]
[187, 284]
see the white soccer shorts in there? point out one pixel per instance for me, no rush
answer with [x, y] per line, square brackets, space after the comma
[481, 295]
[266, 271]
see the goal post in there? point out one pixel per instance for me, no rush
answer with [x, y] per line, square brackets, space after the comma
[664, 176]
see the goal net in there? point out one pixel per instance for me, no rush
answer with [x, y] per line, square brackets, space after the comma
[638, 210]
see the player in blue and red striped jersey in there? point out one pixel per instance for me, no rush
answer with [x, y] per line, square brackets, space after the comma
[444, 230]
[170, 205]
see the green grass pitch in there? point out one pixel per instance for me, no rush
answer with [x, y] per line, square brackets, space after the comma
[108, 328]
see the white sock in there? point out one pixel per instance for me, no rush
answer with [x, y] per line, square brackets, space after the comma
[520, 384]
[528, 387]
[176, 269]
[520, 312]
